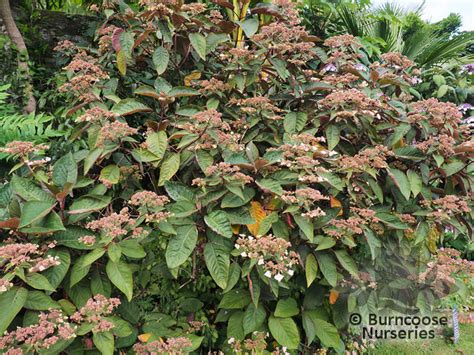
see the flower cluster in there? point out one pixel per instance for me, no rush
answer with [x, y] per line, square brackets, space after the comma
[368, 158]
[170, 346]
[342, 227]
[96, 114]
[440, 273]
[114, 132]
[95, 311]
[351, 102]
[27, 254]
[114, 225]
[437, 113]
[5, 285]
[226, 171]
[87, 73]
[448, 206]
[270, 252]
[148, 199]
[51, 328]
[23, 149]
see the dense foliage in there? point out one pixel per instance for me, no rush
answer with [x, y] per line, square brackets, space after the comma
[230, 183]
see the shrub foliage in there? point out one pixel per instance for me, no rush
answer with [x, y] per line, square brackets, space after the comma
[229, 177]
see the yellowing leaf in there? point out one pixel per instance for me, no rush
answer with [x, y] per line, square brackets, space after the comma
[144, 337]
[258, 213]
[121, 62]
[195, 75]
[336, 203]
[433, 237]
[272, 205]
[236, 228]
[333, 296]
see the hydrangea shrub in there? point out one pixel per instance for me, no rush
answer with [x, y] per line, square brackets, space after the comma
[232, 184]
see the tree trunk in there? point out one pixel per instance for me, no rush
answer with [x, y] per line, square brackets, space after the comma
[17, 40]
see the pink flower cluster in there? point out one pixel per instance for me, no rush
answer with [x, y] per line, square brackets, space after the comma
[22, 148]
[367, 158]
[113, 132]
[448, 206]
[148, 199]
[227, 171]
[270, 252]
[94, 312]
[438, 113]
[441, 273]
[27, 254]
[114, 225]
[51, 328]
[170, 346]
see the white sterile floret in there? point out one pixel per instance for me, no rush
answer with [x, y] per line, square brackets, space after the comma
[278, 277]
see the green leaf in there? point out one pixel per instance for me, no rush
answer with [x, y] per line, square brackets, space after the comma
[219, 223]
[286, 308]
[28, 190]
[328, 267]
[111, 174]
[11, 302]
[285, 331]
[347, 262]
[270, 185]
[38, 281]
[89, 203]
[120, 275]
[157, 142]
[100, 284]
[56, 274]
[104, 341]
[401, 181]
[306, 226]
[130, 106]
[253, 318]
[217, 258]
[169, 167]
[78, 271]
[327, 333]
[233, 201]
[161, 59]
[416, 183]
[295, 121]
[250, 26]
[391, 220]
[114, 252]
[198, 41]
[235, 327]
[453, 167]
[235, 299]
[70, 238]
[132, 249]
[39, 301]
[65, 171]
[34, 211]
[311, 269]
[91, 158]
[181, 246]
[333, 135]
[315, 326]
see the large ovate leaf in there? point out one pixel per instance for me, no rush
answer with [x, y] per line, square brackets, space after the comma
[401, 181]
[110, 174]
[65, 171]
[161, 59]
[120, 274]
[198, 41]
[181, 246]
[11, 302]
[34, 211]
[129, 107]
[169, 167]
[219, 223]
[285, 331]
[217, 258]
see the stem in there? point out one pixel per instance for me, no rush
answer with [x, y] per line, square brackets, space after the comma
[19, 42]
